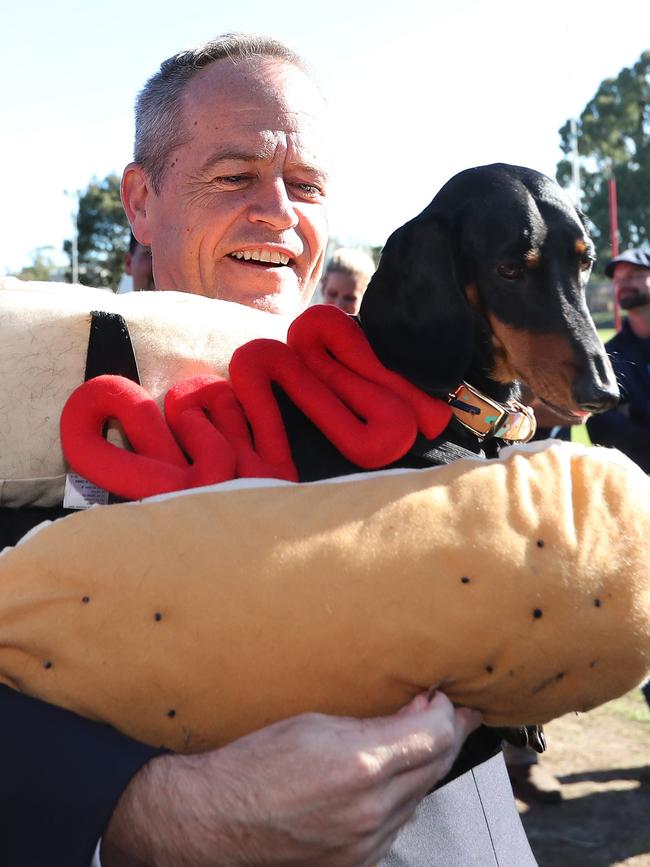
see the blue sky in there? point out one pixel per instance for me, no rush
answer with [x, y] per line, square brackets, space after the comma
[420, 90]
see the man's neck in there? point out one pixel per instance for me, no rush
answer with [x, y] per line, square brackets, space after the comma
[639, 319]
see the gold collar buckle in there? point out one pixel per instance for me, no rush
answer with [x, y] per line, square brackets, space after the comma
[512, 421]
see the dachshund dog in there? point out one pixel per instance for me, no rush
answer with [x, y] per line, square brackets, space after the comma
[487, 287]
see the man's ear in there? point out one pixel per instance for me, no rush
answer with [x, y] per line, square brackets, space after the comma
[135, 192]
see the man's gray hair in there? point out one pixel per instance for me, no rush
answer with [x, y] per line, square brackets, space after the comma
[159, 127]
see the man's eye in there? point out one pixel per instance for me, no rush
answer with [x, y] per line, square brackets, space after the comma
[231, 180]
[310, 190]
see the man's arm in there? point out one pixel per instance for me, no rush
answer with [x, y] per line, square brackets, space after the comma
[313, 790]
[60, 776]
[627, 426]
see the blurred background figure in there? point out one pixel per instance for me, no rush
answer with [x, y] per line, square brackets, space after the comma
[137, 264]
[345, 278]
[627, 427]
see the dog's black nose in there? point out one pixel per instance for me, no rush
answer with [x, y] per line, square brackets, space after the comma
[595, 394]
[601, 401]
[595, 388]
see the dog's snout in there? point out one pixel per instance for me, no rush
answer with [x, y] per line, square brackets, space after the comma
[601, 400]
[595, 389]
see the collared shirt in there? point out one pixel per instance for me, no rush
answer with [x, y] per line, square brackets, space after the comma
[627, 427]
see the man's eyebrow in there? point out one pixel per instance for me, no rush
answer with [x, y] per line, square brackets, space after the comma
[313, 171]
[226, 154]
[247, 156]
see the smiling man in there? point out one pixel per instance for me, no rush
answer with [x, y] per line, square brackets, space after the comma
[228, 189]
[234, 206]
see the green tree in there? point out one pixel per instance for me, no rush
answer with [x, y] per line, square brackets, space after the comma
[614, 139]
[42, 267]
[102, 234]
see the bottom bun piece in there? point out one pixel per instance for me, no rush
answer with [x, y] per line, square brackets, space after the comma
[519, 587]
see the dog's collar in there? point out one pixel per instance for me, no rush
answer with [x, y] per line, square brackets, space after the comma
[511, 421]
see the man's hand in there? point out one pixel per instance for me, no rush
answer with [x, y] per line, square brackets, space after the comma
[314, 791]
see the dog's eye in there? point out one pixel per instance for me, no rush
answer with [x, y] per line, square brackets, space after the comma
[586, 261]
[510, 271]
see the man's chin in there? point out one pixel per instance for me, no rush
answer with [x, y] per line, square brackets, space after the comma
[631, 302]
[278, 303]
[281, 290]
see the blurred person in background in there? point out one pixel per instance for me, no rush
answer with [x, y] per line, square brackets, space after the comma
[138, 265]
[346, 277]
[627, 427]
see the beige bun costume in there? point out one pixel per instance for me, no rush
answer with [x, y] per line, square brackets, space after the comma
[520, 586]
[44, 339]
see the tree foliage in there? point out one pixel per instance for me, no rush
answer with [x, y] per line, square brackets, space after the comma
[102, 234]
[42, 266]
[614, 139]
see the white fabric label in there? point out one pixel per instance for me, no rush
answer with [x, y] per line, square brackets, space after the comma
[82, 494]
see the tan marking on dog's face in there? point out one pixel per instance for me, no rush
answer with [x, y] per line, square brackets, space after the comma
[581, 247]
[543, 362]
[502, 370]
[533, 258]
[473, 297]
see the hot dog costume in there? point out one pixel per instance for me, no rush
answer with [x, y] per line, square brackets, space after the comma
[519, 586]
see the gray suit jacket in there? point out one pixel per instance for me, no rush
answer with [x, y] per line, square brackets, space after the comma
[470, 822]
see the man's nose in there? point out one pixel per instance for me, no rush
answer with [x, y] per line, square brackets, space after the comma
[272, 205]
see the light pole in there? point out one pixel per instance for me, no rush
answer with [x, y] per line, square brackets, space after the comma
[75, 233]
[575, 161]
[613, 237]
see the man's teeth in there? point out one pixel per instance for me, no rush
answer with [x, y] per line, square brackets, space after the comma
[271, 256]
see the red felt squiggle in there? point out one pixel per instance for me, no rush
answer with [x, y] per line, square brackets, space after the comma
[368, 424]
[157, 464]
[331, 343]
[327, 368]
[198, 401]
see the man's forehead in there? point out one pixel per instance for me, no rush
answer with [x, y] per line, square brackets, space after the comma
[255, 99]
[253, 85]
[629, 268]
[252, 145]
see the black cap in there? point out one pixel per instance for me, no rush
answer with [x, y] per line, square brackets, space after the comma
[634, 257]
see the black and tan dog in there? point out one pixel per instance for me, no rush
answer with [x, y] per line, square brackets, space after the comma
[487, 285]
[484, 290]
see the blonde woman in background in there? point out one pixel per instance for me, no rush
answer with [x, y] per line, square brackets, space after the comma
[346, 277]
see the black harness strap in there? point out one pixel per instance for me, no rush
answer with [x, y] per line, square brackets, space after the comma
[109, 347]
[109, 351]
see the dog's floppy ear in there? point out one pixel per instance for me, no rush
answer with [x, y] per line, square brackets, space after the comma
[415, 312]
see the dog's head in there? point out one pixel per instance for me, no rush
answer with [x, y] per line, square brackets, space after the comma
[489, 282]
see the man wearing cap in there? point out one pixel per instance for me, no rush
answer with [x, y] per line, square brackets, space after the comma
[628, 426]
